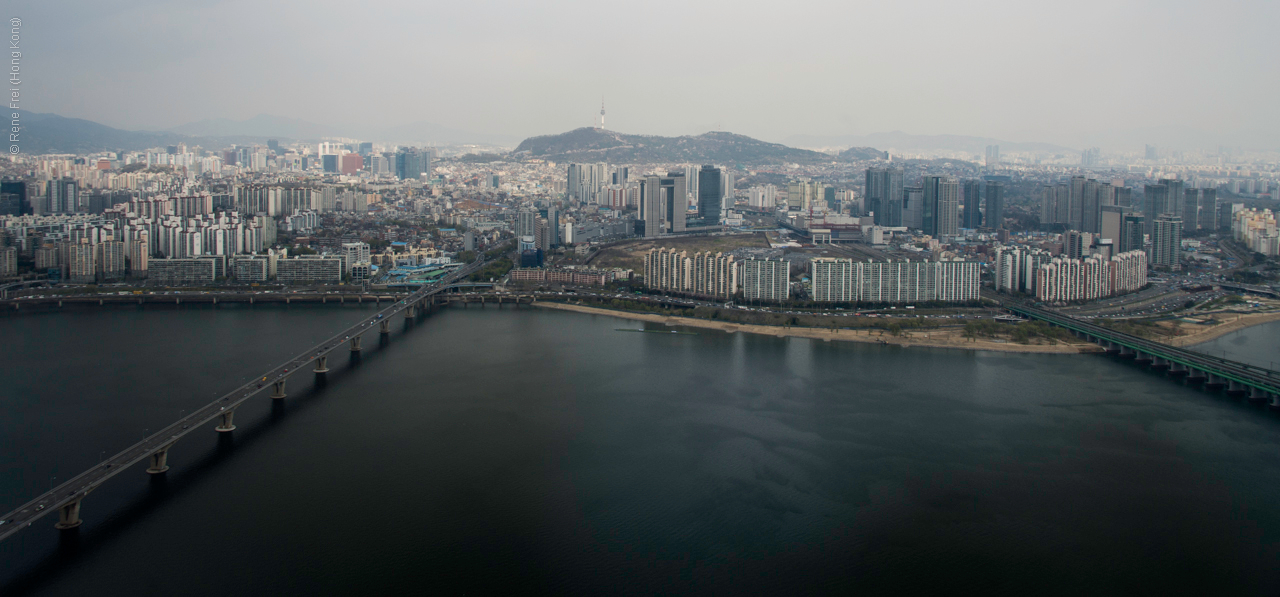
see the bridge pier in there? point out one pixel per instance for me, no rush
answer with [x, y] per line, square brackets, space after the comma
[1195, 375]
[1257, 395]
[226, 424]
[1141, 357]
[1235, 388]
[1112, 348]
[159, 460]
[1214, 382]
[322, 364]
[277, 389]
[409, 312]
[355, 344]
[384, 327]
[1159, 364]
[69, 515]
[1127, 353]
[1177, 370]
[1275, 401]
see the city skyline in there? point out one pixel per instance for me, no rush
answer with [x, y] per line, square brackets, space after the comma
[492, 69]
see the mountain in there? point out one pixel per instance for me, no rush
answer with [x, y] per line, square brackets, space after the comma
[50, 133]
[596, 145]
[900, 141]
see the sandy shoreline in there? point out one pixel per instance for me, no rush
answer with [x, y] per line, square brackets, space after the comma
[930, 339]
[1207, 333]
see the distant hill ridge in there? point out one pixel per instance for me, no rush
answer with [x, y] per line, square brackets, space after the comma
[599, 145]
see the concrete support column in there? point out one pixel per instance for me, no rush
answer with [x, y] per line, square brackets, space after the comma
[355, 344]
[1127, 353]
[1160, 363]
[226, 423]
[1141, 357]
[1235, 388]
[277, 389]
[384, 327]
[1195, 375]
[1214, 382]
[1257, 395]
[160, 460]
[1177, 369]
[69, 515]
[322, 364]
[1275, 401]
[408, 313]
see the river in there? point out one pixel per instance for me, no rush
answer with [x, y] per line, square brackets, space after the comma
[490, 450]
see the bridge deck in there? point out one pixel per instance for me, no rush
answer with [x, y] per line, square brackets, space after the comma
[77, 487]
[1252, 376]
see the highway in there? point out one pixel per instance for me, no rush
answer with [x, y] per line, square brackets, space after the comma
[74, 489]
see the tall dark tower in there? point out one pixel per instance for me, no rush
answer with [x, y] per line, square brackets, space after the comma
[710, 195]
[972, 213]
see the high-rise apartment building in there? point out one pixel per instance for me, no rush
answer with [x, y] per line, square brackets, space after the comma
[848, 281]
[766, 279]
[1166, 242]
[707, 274]
[1092, 277]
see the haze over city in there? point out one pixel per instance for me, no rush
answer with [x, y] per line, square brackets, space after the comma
[669, 298]
[1077, 74]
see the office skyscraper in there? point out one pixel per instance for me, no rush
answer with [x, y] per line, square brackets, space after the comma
[409, 164]
[710, 194]
[553, 225]
[1154, 204]
[1177, 196]
[995, 205]
[1208, 209]
[883, 194]
[972, 215]
[912, 211]
[675, 201]
[1075, 209]
[525, 221]
[941, 208]
[1131, 235]
[18, 190]
[663, 203]
[993, 156]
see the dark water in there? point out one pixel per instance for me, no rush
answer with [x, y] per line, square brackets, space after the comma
[1258, 345]
[544, 452]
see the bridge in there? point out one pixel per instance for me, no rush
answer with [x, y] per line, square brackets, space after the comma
[67, 497]
[5, 289]
[1259, 290]
[1238, 378]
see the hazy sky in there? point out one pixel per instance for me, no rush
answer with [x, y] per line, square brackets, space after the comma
[1071, 72]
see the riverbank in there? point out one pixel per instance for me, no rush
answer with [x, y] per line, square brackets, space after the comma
[927, 339]
[1197, 334]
